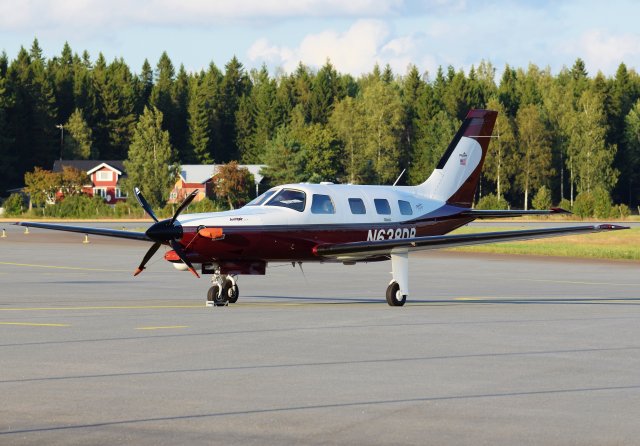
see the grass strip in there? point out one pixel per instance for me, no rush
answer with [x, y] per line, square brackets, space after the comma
[614, 245]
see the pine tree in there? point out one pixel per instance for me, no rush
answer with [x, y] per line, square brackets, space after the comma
[77, 140]
[632, 155]
[235, 84]
[150, 159]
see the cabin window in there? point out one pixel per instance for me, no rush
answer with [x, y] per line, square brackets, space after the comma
[382, 206]
[322, 204]
[261, 198]
[405, 207]
[289, 198]
[357, 206]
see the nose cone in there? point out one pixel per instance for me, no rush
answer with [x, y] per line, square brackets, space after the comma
[164, 231]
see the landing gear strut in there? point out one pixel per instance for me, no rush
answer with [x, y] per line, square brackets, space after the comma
[224, 290]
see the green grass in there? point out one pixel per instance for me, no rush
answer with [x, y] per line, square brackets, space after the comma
[614, 245]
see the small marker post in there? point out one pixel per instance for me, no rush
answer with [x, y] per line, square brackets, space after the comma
[4, 234]
[86, 239]
[26, 230]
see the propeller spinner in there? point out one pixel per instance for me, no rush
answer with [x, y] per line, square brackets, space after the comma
[164, 232]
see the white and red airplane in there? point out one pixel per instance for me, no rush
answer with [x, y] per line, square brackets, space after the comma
[336, 223]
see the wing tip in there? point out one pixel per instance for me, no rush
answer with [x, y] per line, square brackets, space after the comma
[610, 227]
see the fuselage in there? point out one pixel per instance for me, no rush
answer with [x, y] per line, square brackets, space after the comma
[287, 222]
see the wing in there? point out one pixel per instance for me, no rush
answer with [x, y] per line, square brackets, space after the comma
[369, 249]
[86, 230]
[480, 213]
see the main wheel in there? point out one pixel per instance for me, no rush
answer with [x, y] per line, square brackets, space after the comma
[394, 297]
[233, 293]
[218, 299]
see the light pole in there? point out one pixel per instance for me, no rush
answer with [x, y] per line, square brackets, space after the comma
[61, 127]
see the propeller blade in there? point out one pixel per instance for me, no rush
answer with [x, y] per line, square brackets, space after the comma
[146, 257]
[178, 249]
[187, 201]
[144, 204]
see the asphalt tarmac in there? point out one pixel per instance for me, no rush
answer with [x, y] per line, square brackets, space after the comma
[489, 350]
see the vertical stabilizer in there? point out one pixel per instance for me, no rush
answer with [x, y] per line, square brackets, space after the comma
[456, 176]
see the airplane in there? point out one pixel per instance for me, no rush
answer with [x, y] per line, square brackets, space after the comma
[336, 223]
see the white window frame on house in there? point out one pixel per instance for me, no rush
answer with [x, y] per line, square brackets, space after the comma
[100, 192]
[173, 195]
[104, 175]
[120, 193]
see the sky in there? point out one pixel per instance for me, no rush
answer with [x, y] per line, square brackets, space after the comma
[353, 34]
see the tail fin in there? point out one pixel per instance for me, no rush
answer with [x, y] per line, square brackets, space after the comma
[456, 176]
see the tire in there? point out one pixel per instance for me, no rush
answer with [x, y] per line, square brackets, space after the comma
[394, 298]
[218, 299]
[233, 293]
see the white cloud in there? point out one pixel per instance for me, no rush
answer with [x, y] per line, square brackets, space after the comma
[79, 14]
[604, 52]
[354, 51]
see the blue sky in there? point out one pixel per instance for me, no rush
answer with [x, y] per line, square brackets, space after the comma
[353, 34]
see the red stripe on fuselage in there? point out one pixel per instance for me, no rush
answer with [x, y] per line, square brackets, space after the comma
[297, 243]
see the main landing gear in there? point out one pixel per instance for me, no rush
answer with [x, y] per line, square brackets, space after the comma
[398, 289]
[223, 292]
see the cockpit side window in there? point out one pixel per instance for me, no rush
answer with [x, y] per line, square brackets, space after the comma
[262, 198]
[322, 204]
[289, 198]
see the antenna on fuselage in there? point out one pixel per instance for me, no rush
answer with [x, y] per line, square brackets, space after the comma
[399, 176]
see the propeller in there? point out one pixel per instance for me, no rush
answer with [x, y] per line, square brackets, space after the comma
[164, 231]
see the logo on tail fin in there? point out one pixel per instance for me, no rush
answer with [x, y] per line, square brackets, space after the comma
[463, 159]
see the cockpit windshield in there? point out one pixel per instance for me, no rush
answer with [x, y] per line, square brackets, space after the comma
[261, 199]
[289, 198]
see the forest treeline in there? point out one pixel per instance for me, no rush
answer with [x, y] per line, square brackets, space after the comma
[562, 134]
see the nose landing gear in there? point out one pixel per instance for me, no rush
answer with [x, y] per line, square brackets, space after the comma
[223, 292]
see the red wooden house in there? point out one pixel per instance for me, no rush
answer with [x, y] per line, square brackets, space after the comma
[104, 177]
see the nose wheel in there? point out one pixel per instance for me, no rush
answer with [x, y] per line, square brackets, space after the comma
[223, 292]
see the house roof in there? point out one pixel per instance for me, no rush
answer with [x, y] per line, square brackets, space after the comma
[201, 173]
[89, 165]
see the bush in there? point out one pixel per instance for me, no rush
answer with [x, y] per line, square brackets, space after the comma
[128, 209]
[584, 205]
[205, 205]
[491, 201]
[14, 205]
[79, 206]
[565, 204]
[602, 203]
[622, 211]
[542, 200]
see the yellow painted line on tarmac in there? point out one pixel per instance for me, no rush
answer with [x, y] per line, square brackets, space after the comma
[557, 300]
[166, 327]
[115, 307]
[575, 282]
[33, 324]
[76, 268]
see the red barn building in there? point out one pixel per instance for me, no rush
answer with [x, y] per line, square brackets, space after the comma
[104, 177]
